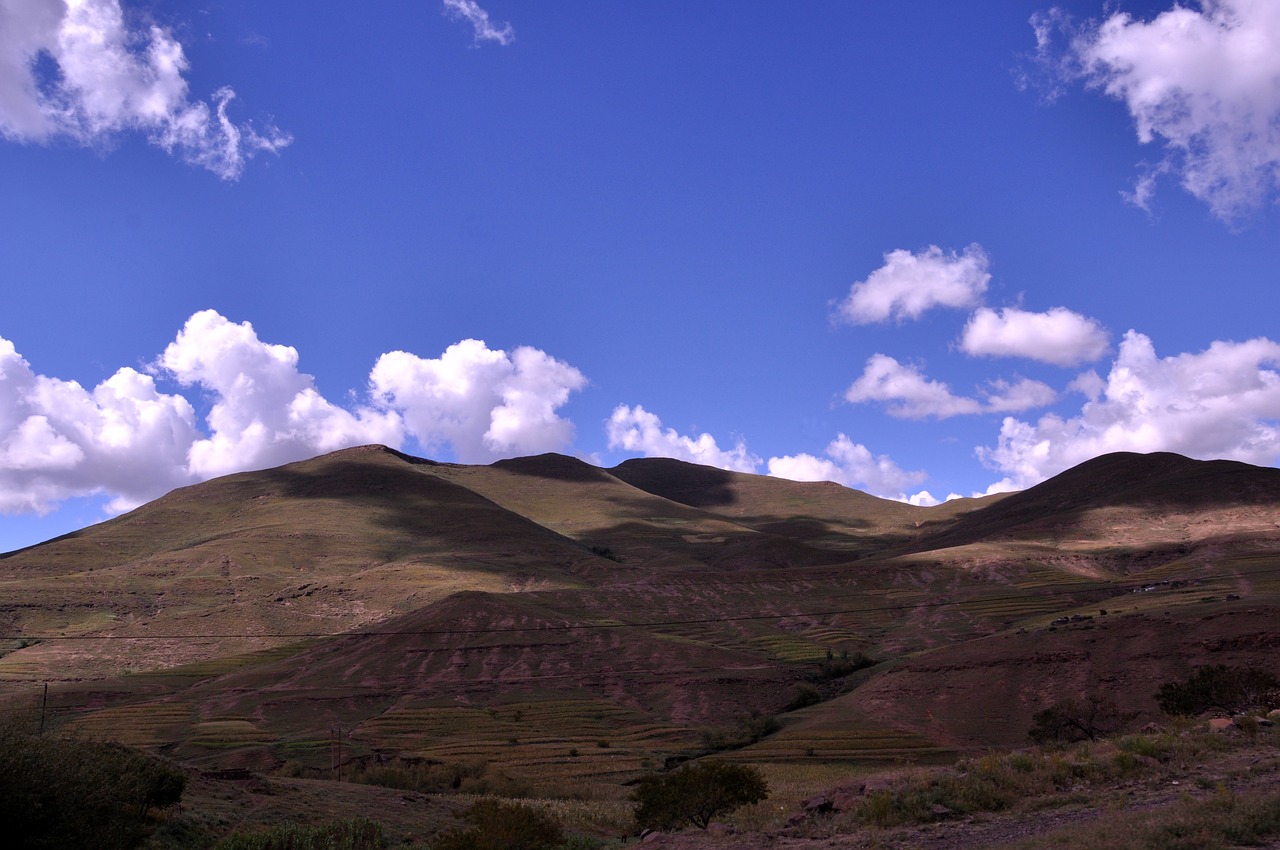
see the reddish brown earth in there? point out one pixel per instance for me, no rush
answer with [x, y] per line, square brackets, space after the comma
[522, 611]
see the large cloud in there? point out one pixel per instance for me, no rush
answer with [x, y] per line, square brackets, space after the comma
[484, 403]
[76, 70]
[1058, 336]
[130, 441]
[59, 440]
[1203, 83]
[265, 411]
[637, 430]
[1220, 403]
[909, 284]
[911, 395]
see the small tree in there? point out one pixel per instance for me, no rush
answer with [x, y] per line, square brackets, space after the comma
[1218, 687]
[1068, 721]
[696, 793]
[504, 826]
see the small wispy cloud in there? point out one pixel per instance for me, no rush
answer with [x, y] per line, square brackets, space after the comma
[485, 28]
[79, 71]
[908, 394]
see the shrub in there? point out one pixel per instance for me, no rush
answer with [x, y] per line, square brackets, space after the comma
[64, 792]
[1219, 687]
[696, 793]
[473, 777]
[1069, 721]
[354, 834]
[504, 826]
[806, 695]
[747, 731]
[838, 668]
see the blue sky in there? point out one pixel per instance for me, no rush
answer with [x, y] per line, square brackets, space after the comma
[920, 248]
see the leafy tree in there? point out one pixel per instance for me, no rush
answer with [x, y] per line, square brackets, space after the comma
[64, 792]
[504, 826]
[696, 793]
[1068, 721]
[1219, 687]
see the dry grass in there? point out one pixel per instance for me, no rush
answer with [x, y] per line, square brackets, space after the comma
[1223, 822]
[492, 601]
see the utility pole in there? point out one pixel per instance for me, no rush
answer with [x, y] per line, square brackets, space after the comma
[335, 751]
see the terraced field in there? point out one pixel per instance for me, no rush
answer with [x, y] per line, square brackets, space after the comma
[566, 629]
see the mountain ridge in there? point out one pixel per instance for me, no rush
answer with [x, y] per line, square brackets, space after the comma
[663, 607]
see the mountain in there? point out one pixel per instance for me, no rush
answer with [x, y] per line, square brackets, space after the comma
[513, 613]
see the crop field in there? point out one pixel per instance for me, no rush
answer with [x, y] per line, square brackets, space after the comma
[852, 744]
[542, 627]
[565, 741]
[146, 724]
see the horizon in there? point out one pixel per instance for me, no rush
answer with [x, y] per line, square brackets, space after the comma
[917, 251]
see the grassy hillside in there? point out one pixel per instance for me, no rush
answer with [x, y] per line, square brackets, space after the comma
[544, 624]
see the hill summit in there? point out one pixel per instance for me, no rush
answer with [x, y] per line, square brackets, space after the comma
[441, 611]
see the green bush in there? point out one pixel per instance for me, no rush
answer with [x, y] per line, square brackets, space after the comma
[62, 792]
[696, 793]
[1218, 687]
[504, 826]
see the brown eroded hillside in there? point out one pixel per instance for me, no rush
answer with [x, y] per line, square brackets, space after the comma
[515, 613]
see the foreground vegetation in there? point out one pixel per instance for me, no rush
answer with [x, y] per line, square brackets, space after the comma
[61, 792]
[1181, 787]
[524, 679]
[1221, 822]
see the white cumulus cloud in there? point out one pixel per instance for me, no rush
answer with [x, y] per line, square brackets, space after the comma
[484, 28]
[129, 441]
[635, 429]
[77, 70]
[909, 284]
[1012, 396]
[911, 395]
[265, 412]
[853, 465]
[484, 403]
[1203, 83]
[845, 462]
[1059, 336]
[59, 440]
[1223, 402]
